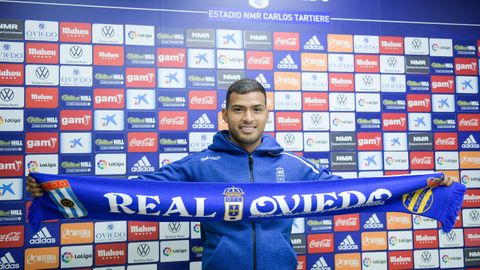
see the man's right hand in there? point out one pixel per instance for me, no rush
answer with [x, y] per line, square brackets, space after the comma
[34, 188]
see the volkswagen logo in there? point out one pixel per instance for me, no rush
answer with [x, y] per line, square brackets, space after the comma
[451, 236]
[7, 94]
[367, 80]
[42, 73]
[108, 31]
[426, 256]
[76, 51]
[474, 215]
[174, 227]
[143, 250]
[289, 139]
[342, 99]
[417, 44]
[392, 62]
[316, 119]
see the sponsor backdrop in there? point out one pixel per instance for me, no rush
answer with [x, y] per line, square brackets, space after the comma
[364, 87]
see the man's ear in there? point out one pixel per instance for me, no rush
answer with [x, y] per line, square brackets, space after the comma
[224, 115]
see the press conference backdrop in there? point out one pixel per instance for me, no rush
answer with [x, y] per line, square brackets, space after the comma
[121, 88]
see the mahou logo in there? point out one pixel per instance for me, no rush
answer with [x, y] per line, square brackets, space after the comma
[75, 120]
[471, 198]
[419, 103]
[11, 166]
[259, 60]
[446, 141]
[37, 97]
[142, 231]
[108, 254]
[109, 98]
[11, 74]
[11, 236]
[320, 243]
[315, 101]
[41, 142]
[347, 223]
[171, 57]
[173, 120]
[425, 239]
[442, 84]
[75, 32]
[468, 122]
[288, 121]
[391, 45]
[341, 82]
[142, 142]
[421, 161]
[367, 63]
[394, 121]
[202, 100]
[400, 260]
[285, 41]
[140, 77]
[113, 56]
[369, 141]
[45, 53]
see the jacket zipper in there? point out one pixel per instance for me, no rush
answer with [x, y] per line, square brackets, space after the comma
[254, 238]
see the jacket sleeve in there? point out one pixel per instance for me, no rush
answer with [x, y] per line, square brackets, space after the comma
[325, 174]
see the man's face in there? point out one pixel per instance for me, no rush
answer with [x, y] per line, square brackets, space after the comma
[246, 117]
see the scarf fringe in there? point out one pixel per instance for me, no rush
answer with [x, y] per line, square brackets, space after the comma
[450, 213]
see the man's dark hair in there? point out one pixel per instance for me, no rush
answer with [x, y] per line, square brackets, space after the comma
[244, 86]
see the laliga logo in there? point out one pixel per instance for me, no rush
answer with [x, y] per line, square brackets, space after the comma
[465, 179]
[166, 162]
[132, 34]
[67, 257]
[361, 102]
[440, 160]
[167, 251]
[389, 160]
[393, 241]
[33, 166]
[336, 122]
[445, 258]
[196, 228]
[233, 201]
[367, 262]
[420, 201]
[102, 164]
[222, 59]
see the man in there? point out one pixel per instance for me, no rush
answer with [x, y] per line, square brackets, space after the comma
[241, 154]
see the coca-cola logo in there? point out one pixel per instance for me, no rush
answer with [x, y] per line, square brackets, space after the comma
[259, 60]
[346, 222]
[178, 120]
[147, 142]
[469, 123]
[10, 237]
[324, 243]
[446, 141]
[206, 100]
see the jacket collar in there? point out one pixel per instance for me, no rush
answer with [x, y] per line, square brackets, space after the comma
[221, 143]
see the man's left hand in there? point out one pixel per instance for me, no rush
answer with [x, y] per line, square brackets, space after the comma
[447, 181]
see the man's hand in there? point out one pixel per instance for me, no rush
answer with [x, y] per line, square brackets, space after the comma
[34, 188]
[447, 181]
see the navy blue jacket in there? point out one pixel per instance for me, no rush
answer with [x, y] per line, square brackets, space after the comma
[241, 244]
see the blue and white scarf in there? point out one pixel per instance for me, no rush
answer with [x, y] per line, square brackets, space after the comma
[93, 197]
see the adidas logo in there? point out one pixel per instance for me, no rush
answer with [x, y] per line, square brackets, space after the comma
[287, 63]
[42, 237]
[321, 264]
[8, 262]
[373, 223]
[203, 122]
[348, 244]
[143, 165]
[470, 143]
[313, 44]
[263, 81]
